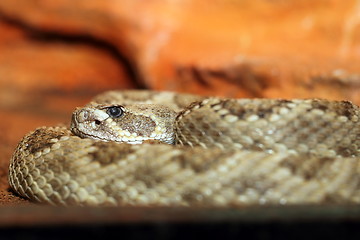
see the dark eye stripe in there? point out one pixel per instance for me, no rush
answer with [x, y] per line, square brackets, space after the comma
[115, 111]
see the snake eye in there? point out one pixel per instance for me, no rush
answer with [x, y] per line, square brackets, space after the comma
[115, 111]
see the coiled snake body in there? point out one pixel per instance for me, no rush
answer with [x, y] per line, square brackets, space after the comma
[195, 151]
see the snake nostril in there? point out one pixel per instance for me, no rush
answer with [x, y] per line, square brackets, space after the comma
[97, 122]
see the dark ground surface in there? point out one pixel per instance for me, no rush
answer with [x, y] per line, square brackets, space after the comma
[35, 222]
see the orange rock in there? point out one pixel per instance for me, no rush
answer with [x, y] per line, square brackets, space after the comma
[251, 48]
[28, 64]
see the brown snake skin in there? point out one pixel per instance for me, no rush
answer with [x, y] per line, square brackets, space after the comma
[228, 152]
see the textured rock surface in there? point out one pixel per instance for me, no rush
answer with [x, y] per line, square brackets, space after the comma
[56, 54]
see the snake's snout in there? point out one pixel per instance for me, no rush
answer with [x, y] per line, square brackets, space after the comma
[84, 119]
[89, 115]
[78, 117]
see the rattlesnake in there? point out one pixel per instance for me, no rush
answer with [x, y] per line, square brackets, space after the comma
[223, 152]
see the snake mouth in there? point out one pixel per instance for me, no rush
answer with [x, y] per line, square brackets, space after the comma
[81, 134]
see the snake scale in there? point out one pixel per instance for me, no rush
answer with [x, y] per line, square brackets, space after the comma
[195, 151]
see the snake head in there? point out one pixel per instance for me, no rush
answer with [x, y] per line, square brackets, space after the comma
[131, 124]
